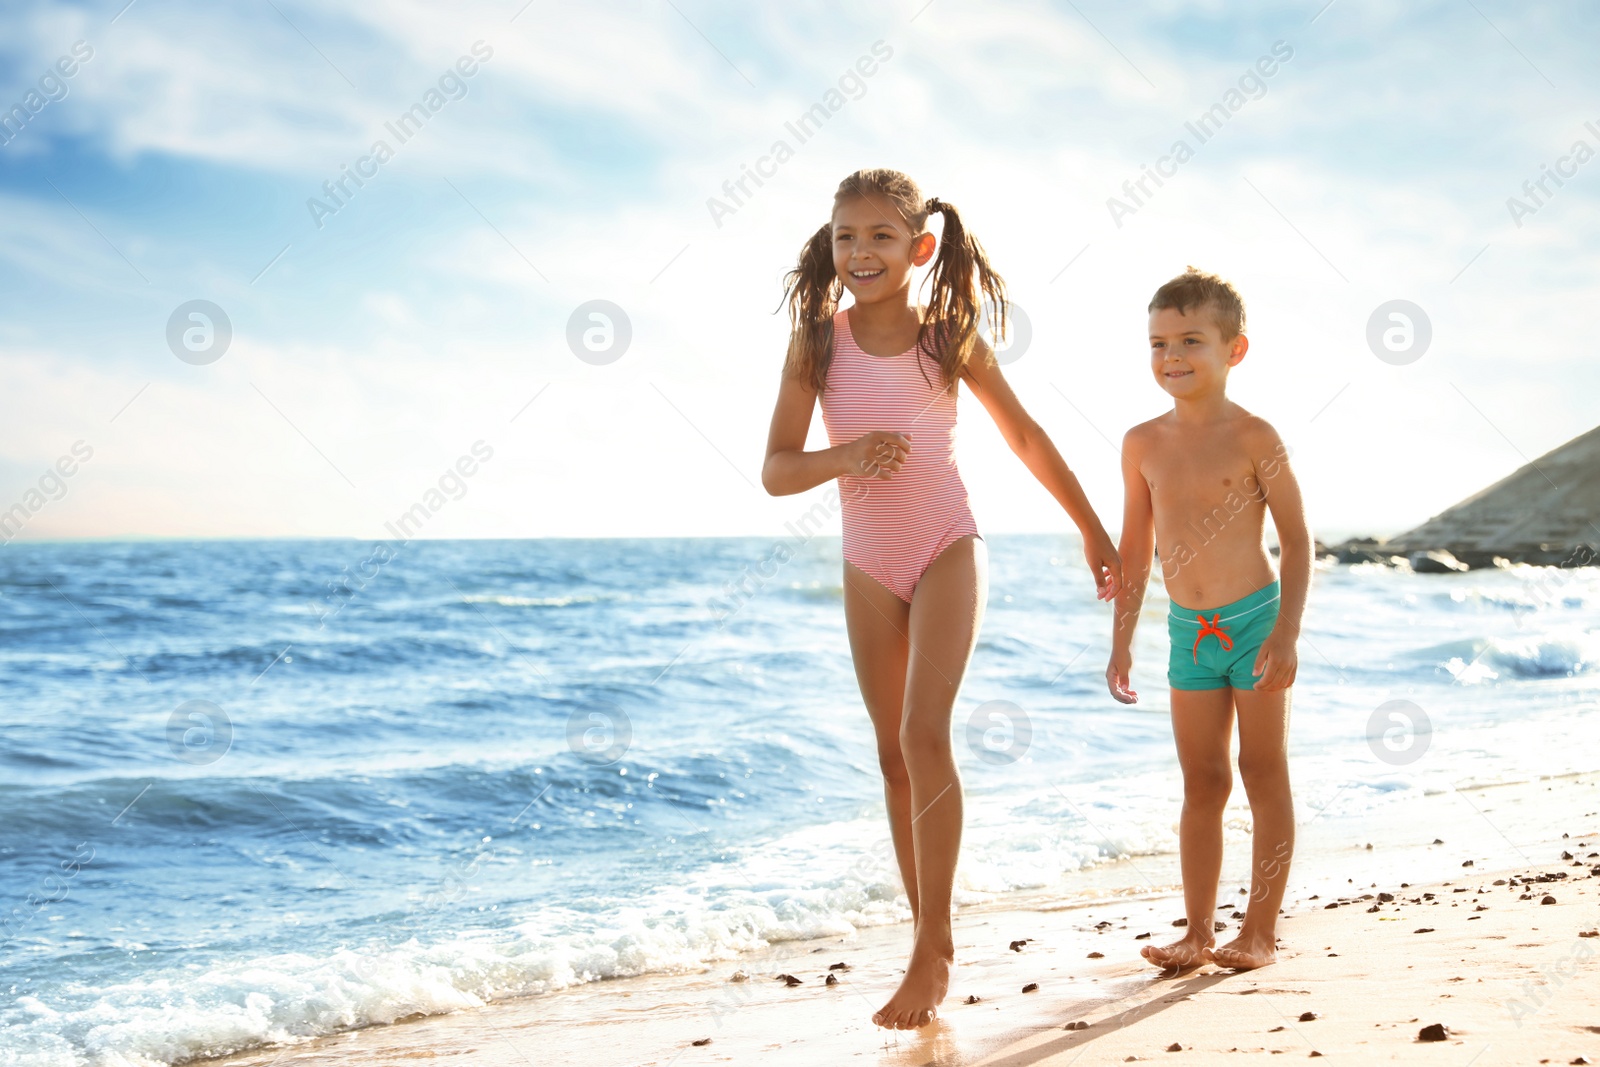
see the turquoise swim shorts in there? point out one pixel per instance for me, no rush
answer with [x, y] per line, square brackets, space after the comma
[1216, 648]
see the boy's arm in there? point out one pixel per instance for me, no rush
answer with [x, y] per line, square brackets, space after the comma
[1278, 662]
[1038, 453]
[1136, 549]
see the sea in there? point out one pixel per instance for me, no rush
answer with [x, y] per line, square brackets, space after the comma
[253, 792]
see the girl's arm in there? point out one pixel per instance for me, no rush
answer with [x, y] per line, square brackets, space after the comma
[1038, 453]
[1137, 550]
[789, 468]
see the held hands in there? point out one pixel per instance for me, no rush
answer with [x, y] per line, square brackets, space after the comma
[879, 454]
[1104, 564]
[1276, 663]
[1117, 672]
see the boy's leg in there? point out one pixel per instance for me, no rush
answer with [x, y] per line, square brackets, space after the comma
[946, 611]
[879, 625]
[1202, 726]
[1264, 768]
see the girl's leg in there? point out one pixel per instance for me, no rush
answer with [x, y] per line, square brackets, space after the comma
[1264, 768]
[946, 611]
[879, 622]
[1202, 726]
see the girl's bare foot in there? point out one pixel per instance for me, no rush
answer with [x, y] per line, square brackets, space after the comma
[1189, 952]
[916, 1003]
[1246, 952]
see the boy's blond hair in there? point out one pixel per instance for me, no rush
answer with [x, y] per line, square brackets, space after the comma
[1195, 288]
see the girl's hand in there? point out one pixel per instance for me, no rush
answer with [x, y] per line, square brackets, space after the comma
[878, 454]
[1104, 564]
[1276, 663]
[1117, 672]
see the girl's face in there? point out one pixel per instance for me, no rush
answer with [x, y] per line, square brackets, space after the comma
[873, 249]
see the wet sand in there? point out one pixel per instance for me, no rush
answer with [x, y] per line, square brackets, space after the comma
[1468, 941]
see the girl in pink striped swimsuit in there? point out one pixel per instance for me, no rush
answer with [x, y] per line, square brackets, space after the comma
[916, 572]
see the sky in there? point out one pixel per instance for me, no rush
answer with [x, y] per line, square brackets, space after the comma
[425, 335]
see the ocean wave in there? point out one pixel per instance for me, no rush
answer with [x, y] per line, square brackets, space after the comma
[1552, 655]
[821, 881]
[176, 1017]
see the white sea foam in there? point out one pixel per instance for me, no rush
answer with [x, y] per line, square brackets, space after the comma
[530, 601]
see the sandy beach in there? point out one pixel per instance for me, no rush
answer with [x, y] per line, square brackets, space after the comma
[1474, 910]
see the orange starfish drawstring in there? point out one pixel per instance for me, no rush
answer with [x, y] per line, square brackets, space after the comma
[1211, 627]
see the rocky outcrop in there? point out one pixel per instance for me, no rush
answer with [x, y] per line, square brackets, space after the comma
[1546, 512]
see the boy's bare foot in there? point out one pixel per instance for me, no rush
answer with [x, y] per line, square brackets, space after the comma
[1246, 952]
[1189, 952]
[916, 1003]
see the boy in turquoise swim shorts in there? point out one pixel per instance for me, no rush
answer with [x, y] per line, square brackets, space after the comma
[1200, 481]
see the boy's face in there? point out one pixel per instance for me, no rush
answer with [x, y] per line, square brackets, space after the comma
[1188, 354]
[873, 249]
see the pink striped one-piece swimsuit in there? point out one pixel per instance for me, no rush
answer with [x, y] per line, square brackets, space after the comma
[894, 529]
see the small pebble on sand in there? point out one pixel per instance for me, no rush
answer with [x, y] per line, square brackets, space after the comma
[1031, 987]
[704, 1041]
[1434, 1032]
[1308, 1016]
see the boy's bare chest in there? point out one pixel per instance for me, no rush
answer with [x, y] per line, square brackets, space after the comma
[1199, 472]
